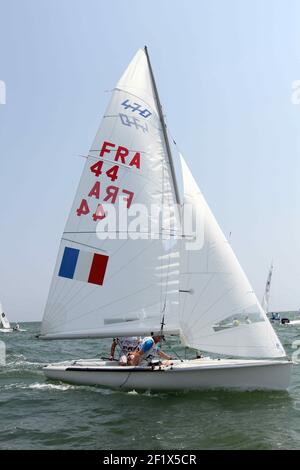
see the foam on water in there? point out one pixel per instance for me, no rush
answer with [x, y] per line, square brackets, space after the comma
[43, 414]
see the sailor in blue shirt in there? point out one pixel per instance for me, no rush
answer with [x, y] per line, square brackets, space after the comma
[149, 346]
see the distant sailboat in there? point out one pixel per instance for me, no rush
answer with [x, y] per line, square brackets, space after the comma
[266, 298]
[4, 323]
[120, 286]
[275, 316]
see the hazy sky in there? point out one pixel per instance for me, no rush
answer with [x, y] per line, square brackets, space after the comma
[224, 70]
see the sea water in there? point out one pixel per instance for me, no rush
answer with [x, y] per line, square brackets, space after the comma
[36, 413]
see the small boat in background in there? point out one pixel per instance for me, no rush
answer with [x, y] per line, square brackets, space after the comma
[4, 322]
[266, 297]
[285, 321]
[275, 317]
[288, 322]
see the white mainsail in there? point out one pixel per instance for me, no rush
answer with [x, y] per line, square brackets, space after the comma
[266, 297]
[120, 285]
[219, 311]
[4, 323]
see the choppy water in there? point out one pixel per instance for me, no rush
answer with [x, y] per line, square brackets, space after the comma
[39, 414]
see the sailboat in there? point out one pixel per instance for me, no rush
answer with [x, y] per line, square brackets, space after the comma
[266, 298]
[275, 316]
[130, 279]
[4, 323]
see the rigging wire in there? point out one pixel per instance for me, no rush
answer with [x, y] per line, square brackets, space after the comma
[174, 351]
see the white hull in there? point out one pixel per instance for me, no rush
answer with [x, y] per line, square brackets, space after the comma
[11, 330]
[293, 323]
[290, 323]
[195, 374]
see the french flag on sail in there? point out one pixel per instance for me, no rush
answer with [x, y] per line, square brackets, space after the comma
[83, 266]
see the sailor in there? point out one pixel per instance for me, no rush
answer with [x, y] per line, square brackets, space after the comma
[126, 345]
[149, 347]
[16, 327]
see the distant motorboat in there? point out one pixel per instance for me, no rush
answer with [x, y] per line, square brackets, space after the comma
[288, 322]
[285, 321]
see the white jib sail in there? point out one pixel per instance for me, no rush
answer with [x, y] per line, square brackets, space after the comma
[219, 311]
[4, 323]
[266, 297]
[125, 284]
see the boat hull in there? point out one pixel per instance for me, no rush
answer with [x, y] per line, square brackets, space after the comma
[179, 375]
[293, 323]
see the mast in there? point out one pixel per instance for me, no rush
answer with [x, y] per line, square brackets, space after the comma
[164, 128]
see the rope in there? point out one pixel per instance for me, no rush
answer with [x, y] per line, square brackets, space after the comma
[173, 350]
[126, 380]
